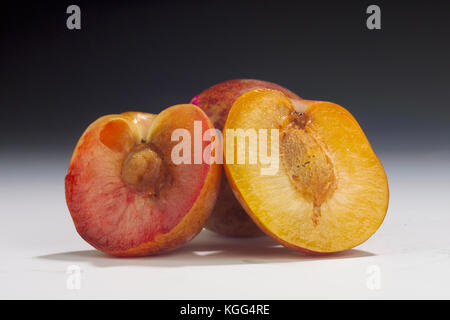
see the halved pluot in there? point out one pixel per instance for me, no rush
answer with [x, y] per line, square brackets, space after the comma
[228, 217]
[329, 192]
[126, 195]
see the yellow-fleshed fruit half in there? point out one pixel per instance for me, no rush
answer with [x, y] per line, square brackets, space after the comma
[329, 191]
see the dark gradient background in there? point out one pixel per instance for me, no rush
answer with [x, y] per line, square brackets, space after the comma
[149, 55]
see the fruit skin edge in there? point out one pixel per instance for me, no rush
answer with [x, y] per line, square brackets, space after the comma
[304, 104]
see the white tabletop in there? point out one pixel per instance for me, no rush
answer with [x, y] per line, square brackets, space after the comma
[41, 253]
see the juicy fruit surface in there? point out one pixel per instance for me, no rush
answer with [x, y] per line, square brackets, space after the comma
[330, 192]
[119, 219]
[228, 217]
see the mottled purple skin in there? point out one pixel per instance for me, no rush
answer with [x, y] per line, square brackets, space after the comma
[228, 217]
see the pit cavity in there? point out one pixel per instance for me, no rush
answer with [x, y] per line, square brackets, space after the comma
[144, 170]
[307, 163]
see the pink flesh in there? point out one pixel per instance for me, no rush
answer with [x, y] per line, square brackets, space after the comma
[109, 215]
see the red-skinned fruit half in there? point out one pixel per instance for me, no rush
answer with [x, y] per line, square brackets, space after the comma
[124, 192]
[228, 217]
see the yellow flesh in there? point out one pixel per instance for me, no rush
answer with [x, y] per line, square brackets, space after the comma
[344, 179]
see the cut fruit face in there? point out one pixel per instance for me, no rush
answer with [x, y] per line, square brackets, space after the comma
[125, 194]
[330, 192]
